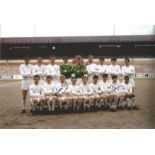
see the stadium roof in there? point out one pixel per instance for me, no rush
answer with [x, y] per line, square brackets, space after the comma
[81, 39]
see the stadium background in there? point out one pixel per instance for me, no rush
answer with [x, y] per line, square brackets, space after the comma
[139, 48]
[107, 46]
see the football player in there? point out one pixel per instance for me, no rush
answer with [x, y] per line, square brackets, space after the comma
[53, 69]
[97, 91]
[91, 68]
[79, 70]
[49, 90]
[117, 91]
[129, 70]
[63, 93]
[26, 71]
[75, 92]
[66, 68]
[129, 95]
[86, 93]
[114, 69]
[105, 87]
[36, 94]
[102, 68]
[40, 69]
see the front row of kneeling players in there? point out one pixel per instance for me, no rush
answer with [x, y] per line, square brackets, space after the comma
[84, 96]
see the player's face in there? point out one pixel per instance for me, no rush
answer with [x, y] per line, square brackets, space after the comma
[90, 59]
[74, 81]
[126, 80]
[114, 80]
[36, 80]
[113, 62]
[27, 61]
[49, 79]
[105, 78]
[65, 61]
[126, 62]
[95, 80]
[39, 61]
[101, 61]
[52, 60]
[62, 79]
[78, 60]
[84, 79]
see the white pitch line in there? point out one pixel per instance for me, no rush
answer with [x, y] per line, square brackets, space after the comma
[9, 84]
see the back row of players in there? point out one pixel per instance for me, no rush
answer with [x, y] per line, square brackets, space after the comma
[100, 85]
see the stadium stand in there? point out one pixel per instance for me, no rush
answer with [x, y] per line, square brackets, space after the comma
[119, 46]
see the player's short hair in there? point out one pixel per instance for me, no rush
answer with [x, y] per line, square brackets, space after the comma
[95, 77]
[49, 76]
[114, 76]
[104, 75]
[114, 59]
[27, 57]
[39, 57]
[52, 56]
[127, 59]
[126, 77]
[64, 57]
[78, 57]
[73, 78]
[36, 76]
[62, 76]
[90, 56]
[85, 76]
[101, 58]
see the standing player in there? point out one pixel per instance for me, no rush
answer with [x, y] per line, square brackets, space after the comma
[114, 69]
[36, 94]
[97, 91]
[66, 68]
[87, 93]
[40, 69]
[49, 90]
[129, 70]
[63, 93]
[26, 70]
[102, 68]
[53, 69]
[91, 67]
[79, 70]
[129, 95]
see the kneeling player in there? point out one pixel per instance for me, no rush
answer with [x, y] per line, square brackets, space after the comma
[98, 93]
[129, 95]
[87, 93]
[105, 87]
[36, 94]
[118, 94]
[75, 92]
[63, 93]
[49, 93]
